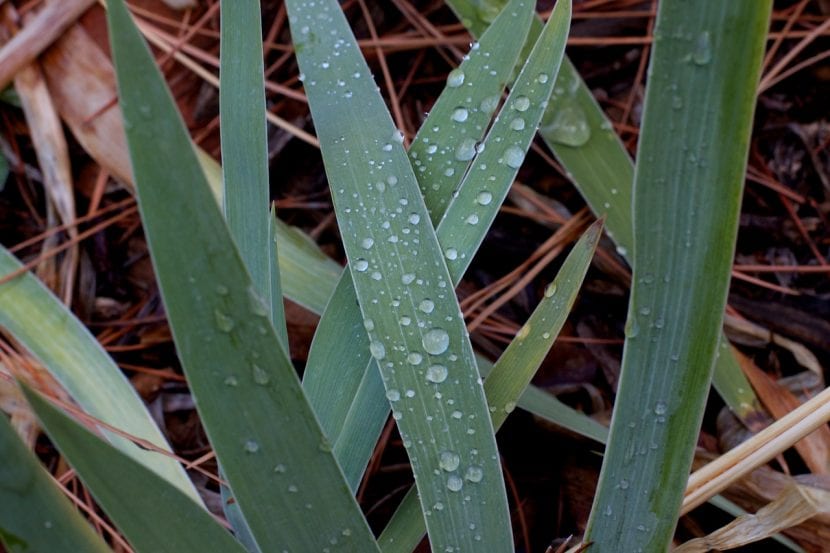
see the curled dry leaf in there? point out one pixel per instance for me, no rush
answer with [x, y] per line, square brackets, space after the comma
[793, 506]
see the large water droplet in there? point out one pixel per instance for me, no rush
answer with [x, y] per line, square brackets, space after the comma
[393, 395]
[449, 460]
[223, 322]
[436, 341]
[569, 126]
[550, 291]
[377, 350]
[437, 374]
[454, 483]
[414, 358]
[466, 150]
[367, 243]
[474, 474]
[522, 103]
[489, 105]
[542, 78]
[407, 278]
[484, 198]
[514, 156]
[427, 306]
[259, 374]
[517, 124]
[455, 78]
[361, 265]
[460, 114]
[703, 49]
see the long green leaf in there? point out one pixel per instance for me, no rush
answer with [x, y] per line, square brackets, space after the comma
[410, 311]
[511, 374]
[271, 449]
[583, 140]
[339, 355]
[34, 513]
[693, 146]
[245, 145]
[42, 324]
[474, 204]
[153, 515]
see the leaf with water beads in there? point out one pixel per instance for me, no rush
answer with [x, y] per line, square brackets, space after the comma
[362, 150]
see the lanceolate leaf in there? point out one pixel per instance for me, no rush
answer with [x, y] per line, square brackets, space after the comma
[34, 513]
[471, 212]
[511, 374]
[271, 449]
[338, 359]
[41, 323]
[693, 146]
[406, 297]
[153, 515]
[583, 140]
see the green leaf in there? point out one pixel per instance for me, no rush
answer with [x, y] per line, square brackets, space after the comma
[416, 329]
[339, 355]
[152, 514]
[34, 513]
[46, 328]
[583, 140]
[511, 374]
[244, 137]
[694, 139]
[271, 449]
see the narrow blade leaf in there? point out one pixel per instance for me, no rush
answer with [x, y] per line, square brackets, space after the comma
[409, 307]
[30, 312]
[34, 513]
[152, 514]
[271, 449]
[688, 191]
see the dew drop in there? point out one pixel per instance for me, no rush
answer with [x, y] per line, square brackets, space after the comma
[414, 358]
[474, 474]
[222, 290]
[459, 115]
[484, 198]
[259, 374]
[550, 291]
[223, 322]
[377, 350]
[466, 150]
[522, 103]
[569, 126]
[414, 219]
[455, 78]
[427, 306]
[405, 321]
[251, 446]
[437, 374]
[361, 265]
[456, 414]
[231, 382]
[660, 408]
[542, 78]
[436, 341]
[397, 136]
[514, 156]
[407, 278]
[472, 219]
[367, 243]
[454, 483]
[509, 407]
[451, 254]
[393, 395]
[703, 49]
[369, 325]
[517, 124]
[449, 461]
[489, 105]
[256, 303]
